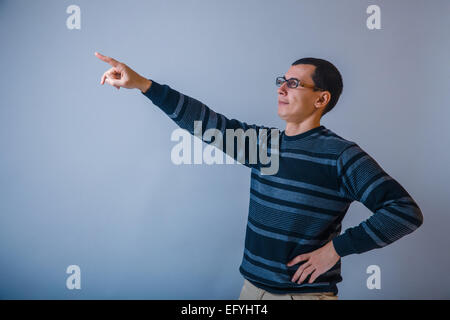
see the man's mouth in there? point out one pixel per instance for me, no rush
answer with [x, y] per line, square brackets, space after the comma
[282, 102]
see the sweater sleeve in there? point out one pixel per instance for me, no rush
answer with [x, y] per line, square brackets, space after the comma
[395, 213]
[185, 110]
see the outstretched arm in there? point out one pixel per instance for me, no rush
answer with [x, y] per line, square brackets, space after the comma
[243, 144]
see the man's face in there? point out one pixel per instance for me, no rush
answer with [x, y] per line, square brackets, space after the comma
[298, 104]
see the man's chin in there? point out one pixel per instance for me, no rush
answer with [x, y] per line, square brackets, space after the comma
[282, 114]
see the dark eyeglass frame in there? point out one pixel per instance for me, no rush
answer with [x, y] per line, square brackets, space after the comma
[280, 80]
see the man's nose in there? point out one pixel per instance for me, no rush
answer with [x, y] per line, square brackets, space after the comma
[282, 89]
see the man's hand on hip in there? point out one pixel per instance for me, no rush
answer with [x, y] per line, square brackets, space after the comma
[120, 75]
[317, 262]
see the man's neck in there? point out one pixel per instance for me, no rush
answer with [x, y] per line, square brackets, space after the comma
[293, 128]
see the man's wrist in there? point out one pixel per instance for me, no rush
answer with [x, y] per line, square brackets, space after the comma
[145, 85]
[334, 249]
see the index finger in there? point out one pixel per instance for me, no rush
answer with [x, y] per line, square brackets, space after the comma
[297, 259]
[109, 60]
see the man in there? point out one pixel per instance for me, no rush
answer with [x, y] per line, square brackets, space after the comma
[293, 244]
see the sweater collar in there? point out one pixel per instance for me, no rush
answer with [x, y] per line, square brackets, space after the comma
[303, 134]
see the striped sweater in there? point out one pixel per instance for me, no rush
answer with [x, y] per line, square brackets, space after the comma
[300, 208]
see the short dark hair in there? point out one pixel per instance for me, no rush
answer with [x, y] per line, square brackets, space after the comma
[326, 76]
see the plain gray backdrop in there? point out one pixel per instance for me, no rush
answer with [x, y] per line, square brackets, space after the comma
[85, 172]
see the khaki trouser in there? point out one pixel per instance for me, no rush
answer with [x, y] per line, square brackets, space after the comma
[251, 292]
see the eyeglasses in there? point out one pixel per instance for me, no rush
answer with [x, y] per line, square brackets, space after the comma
[294, 83]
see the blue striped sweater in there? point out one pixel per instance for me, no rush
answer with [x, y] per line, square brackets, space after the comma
[300, 208]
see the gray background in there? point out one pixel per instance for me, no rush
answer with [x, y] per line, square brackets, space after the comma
[85, 170]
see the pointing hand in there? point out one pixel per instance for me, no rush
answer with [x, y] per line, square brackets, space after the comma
[120, 75]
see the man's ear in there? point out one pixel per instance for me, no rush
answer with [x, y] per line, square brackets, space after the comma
[324, 98]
